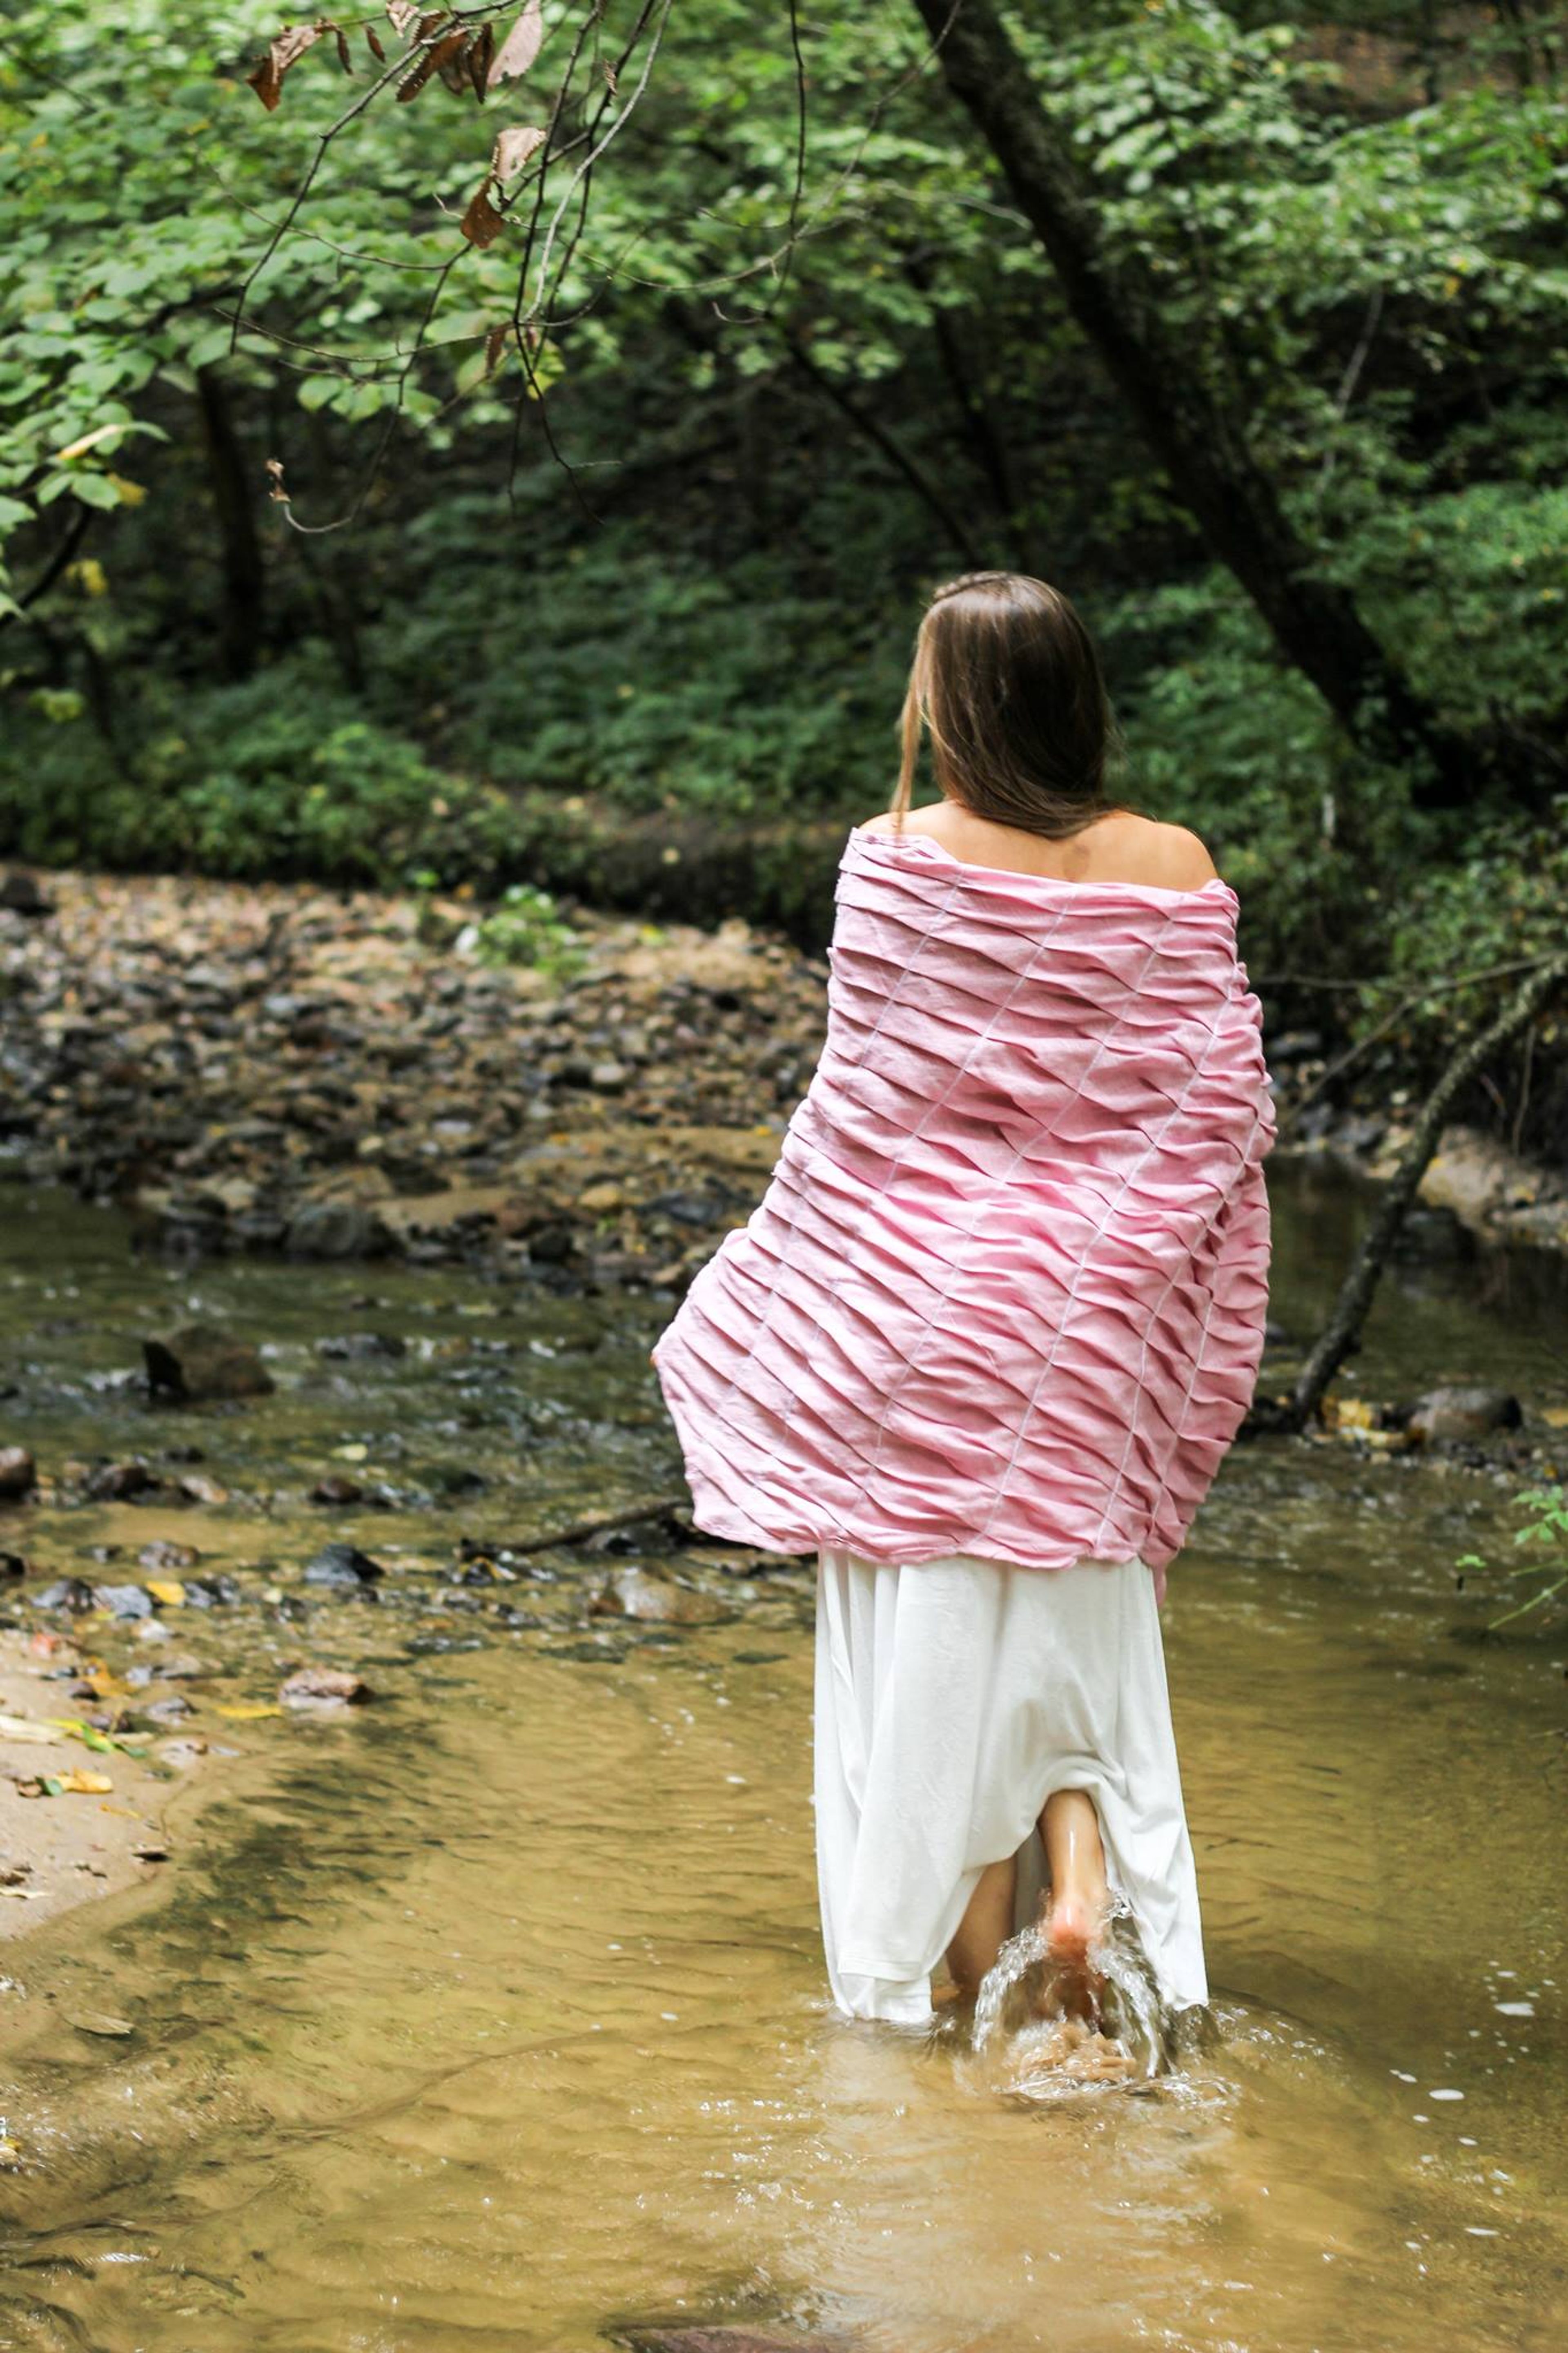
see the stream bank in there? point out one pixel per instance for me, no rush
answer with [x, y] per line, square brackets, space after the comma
[334, 1075]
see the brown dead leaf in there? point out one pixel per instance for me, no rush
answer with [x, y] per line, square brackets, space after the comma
[513, 147]
[432, 61]
[481, 224]
[284, 50]
[521, 46]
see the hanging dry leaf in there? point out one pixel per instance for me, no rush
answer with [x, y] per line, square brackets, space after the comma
[285, 50]
[434, 61]
[513, 147]
[455, 65]
[345, 56]
[373, 43]
[400, 14]
[482, 223]
[495, 343]
[521, 46]
[481, 55]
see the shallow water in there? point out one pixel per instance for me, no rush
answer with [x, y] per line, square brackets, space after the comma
[492, 2015]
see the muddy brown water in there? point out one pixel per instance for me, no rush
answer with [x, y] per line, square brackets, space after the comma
[492, 2017]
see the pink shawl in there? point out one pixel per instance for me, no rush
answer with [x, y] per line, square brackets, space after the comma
[1004, 1293]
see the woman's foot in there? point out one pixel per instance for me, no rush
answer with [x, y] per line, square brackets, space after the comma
[1073, 1924]
[1079, 1900]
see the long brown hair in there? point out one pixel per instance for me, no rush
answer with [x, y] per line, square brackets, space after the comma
[1006, 683]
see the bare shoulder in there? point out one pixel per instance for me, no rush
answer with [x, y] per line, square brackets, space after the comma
[914, 820]
[1142, 849]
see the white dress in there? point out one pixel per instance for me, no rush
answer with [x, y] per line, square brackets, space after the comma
[953, 1697]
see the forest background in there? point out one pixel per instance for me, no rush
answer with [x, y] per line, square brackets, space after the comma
[536, 476]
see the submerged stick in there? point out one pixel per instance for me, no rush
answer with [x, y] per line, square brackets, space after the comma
[579, 1530]
[1341, 1332]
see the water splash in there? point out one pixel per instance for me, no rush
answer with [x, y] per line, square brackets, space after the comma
[1028, 2043]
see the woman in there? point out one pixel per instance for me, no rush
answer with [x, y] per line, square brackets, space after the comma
[986, 1339]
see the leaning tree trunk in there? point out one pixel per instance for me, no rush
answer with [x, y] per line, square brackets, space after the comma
[1342, 1333]
[1236, 507]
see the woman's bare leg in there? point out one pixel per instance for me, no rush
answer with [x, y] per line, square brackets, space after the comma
[985, 1928]
[1079, 1897]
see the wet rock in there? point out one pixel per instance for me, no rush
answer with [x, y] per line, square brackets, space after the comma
[174, 1709]
[72, 1593]
[553, 1244]
[12, 1564]
[166, 1558]
[1447, 1413]
[18, 1474]
[182, 1754]
[114, 1482]
[336, 1489]
[1362, 1132]
[454, 1479]
[332, 1230]
[653, 1598]
[323, 1688]
[123, 1600]
[195, 1488]
[344, 1568]
[678, 2339]
[218, 1592]
[23, 894]
[202, 1364]
[1435, 1236]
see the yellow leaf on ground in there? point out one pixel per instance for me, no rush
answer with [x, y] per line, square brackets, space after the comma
[83, 1783]
[1557, 1416]
[166, 1589]
[350, 1453]
[241, 1711]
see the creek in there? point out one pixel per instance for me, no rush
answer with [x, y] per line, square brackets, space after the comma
[490, 2015]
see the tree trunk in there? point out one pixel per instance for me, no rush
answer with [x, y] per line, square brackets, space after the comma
[1235, 506]
[243, 609]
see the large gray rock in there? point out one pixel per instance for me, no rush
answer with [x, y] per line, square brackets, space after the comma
[1462, 1413]
[200, 1362]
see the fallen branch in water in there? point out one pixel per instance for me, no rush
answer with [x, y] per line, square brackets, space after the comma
[1341, 1335]
[577, 1531]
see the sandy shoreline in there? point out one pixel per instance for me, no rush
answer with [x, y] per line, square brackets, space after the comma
[58, 1851]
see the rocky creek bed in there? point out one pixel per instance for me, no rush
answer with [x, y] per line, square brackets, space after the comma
[327, 1075]
[250, 1451]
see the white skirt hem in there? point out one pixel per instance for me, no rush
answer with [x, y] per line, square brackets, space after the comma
[953, 1697]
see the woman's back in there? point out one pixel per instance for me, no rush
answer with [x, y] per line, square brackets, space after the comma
[1005, 1290]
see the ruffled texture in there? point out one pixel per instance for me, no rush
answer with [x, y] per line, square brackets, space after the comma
[1004, 1293]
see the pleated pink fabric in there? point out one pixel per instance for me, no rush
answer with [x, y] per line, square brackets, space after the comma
[1004, 1293]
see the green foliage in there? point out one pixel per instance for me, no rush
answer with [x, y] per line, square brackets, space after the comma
[1545, 1530]
[680, 589]
[526, 927]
